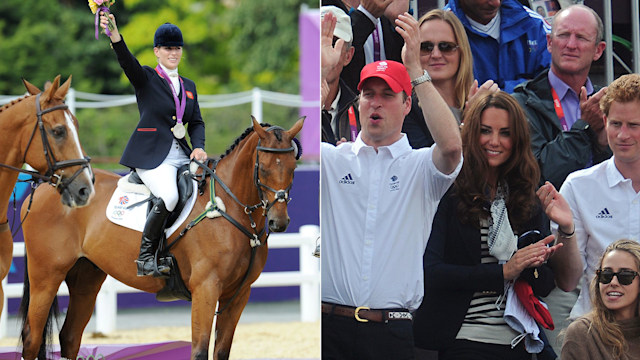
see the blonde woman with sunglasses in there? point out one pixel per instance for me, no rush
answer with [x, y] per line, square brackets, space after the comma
[612, 329]
[445, 55]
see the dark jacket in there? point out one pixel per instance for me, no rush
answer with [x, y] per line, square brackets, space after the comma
[453, 273]
[150, 142]
[347, 99]
[363, 27]
[558, 152]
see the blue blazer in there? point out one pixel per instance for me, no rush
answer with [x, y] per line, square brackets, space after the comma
[151, 141]
[453, 273]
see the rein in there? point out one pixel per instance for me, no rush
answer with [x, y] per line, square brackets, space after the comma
[254, 237]
[53, 165]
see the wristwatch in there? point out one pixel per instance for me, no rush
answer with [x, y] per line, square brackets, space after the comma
[424, 78]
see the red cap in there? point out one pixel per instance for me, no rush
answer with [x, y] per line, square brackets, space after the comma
[392, 72]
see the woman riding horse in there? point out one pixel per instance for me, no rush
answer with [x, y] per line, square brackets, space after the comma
[157, 148]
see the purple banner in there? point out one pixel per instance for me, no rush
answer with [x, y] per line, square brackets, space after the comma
[309, 40]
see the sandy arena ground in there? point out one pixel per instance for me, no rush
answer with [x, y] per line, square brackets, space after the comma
[251, 341]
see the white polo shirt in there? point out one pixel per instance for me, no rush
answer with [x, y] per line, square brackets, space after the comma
[605, 209]
[376, 214]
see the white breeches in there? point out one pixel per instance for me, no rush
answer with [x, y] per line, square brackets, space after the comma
[162, 180]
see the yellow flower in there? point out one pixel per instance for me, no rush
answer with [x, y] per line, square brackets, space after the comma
[93, 6]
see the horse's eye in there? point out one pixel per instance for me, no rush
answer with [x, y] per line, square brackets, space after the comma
[59, 131]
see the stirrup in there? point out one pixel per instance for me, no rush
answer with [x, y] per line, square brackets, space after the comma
[165, 270]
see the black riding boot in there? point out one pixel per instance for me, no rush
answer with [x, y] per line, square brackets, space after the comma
[150, 238]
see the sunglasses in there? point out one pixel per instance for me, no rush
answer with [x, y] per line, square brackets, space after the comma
[625, 277]
[445, 47]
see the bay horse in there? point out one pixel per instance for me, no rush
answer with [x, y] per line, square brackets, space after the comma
[81, 246]
[39, 130]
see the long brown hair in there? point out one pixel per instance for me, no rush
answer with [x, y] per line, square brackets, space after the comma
[464, 76]
[602, 319]
[520, 171]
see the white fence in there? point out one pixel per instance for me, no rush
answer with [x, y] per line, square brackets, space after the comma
[255, 96]
[307, 278]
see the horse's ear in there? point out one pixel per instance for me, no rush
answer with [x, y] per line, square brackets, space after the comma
[32, 89]
[63, 89]
[47, 95]
[295, 129]
[258, 128]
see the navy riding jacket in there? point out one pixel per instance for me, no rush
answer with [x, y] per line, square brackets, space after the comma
[149, 144]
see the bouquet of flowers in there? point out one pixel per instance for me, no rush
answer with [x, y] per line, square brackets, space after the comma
[96, 7]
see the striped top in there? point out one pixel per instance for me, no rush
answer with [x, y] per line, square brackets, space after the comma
[484, 321]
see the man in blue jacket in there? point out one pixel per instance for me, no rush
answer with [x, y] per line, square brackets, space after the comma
[508, 40]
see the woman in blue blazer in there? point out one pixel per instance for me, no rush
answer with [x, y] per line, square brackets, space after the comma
[157, 148]
[473, 252]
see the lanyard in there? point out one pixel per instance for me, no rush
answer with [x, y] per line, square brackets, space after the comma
[180, 105]
[558, 106]
[353, 126]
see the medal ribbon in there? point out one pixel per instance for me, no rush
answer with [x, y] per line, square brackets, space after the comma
[180, 105]
[558, 106]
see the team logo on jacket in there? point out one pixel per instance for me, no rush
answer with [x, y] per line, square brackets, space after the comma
[189, 94]
[533, 45]
[394, 184]
[123, 200]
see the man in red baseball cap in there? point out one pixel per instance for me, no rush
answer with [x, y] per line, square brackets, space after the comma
[383, 115]
[378, 199]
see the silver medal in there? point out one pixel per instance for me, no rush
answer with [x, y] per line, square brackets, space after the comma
[178, 131]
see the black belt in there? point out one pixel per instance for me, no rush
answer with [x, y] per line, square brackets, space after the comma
[365, 314]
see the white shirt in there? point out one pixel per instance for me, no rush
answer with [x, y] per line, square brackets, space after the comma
[376, 214]
[605, 209]
[174, 77]
[492, 28]
[334, 112]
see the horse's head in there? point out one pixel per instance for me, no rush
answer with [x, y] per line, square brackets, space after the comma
[275, 163]
[51, 143]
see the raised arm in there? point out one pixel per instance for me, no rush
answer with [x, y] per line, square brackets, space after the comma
[439, 118]
[104, 22]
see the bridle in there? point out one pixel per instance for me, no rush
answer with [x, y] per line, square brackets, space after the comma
[280, 195]
[53, 165]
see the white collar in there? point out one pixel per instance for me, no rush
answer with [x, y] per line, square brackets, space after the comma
[172, 73]
[491, 29]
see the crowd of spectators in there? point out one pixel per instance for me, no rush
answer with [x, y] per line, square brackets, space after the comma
[474, 183]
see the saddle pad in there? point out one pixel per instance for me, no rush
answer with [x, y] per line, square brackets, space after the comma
[135, 218]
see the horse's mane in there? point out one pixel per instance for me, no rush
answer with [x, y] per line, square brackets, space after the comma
[246, 133]
[13, 102]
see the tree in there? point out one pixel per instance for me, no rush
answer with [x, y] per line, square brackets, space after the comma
[265, 43]
[230, 46]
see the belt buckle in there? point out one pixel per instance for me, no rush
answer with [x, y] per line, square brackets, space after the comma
[358, 310]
